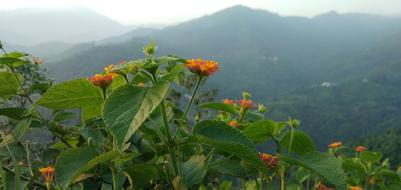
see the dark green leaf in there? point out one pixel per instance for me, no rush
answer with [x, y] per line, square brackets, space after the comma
[262, 130]
[193, 170]
[301, 144]
[219, 106]
[141, 174]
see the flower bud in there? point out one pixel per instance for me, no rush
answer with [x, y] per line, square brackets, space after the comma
[293, 123]
[261, 108]
[246, 95]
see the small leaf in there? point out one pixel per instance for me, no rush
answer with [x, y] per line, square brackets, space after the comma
[193, 170]
[262, 130]
[219, 106]
[8, 84]
[368, 156]
[228, 139]
[301, 144]
[13, 113]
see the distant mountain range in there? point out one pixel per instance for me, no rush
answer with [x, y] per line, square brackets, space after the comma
[70, 25]
[338, 73]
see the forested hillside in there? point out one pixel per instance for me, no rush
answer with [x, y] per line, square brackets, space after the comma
[284, 61]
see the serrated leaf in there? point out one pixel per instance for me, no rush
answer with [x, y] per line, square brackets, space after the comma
[324, 165]
[12, 61]
[79, 93]
[219, 106]
[229, 167]
[73, 162]
[193, 170]
[8, 84]
[262, 130]
[301, 144]
[369, 156]
[228, 139]
[128, 107]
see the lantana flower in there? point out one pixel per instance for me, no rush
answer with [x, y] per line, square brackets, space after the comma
[233, 123]
[360, 148]
[335, 144]
[202, 67]
[269, 160]
[48, 175]
[245, 104]
[102, 80]
[355, 188]
[228, 102]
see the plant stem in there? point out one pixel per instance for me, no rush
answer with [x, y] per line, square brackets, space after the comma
[188, 106]
[282, 181]
[291, 140]
[113, 173]
[29, 160]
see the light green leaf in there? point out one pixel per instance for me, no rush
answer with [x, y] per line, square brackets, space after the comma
[324, 165]
[301, 144]
[193, 170]
[128, 107]
[219, 106]
[228, 139]
[262, 130]
[78, 93]
[20, 128]
[73, 162]
[12, 61]
[368, 156]
[8, 84]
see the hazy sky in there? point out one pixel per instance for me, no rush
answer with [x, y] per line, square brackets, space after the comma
[173, 11]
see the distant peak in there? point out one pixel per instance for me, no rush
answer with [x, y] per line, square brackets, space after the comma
[330, 14]
[241, 9]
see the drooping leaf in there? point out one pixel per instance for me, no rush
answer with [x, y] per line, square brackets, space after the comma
[78, 93]
[228, 139]
[141, 174]
[262, 130]
[231, 167]
[219, 106]
[8, 84]
[194, 170]
[128, 107]
[73, 162]
[12, 61]
[369, 156]
[301, 144]
[322, 164]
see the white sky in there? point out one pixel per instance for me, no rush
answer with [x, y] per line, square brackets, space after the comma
[173, 11]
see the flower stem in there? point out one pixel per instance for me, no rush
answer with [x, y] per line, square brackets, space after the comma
[188, 106]
[291, 140]
[282, 181]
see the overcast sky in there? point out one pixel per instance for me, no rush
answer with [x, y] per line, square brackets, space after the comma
[173, 11]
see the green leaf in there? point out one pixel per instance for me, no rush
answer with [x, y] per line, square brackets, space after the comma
[8, 84]
[128, 107]
[301, 144]
[262, 130]
[219, 106]
[20, 128]
[12, 61]
[193, 170]
[368, 156]
[78, 93]
[231, 167]
[228, 139]
[141, 174]
[13, 113]
[73, 162]
[325, 165]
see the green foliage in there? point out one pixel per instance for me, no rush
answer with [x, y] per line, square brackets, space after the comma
[133, 135]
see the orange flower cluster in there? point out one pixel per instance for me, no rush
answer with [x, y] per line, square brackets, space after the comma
[110, 67]
[245, 104]
[269, 160]
[47, 173]
[233, 123]
[321, 186]
[102, 81]
[355, 188]
[360, 148]
[202, 67]
[229, 102]
[335, 144]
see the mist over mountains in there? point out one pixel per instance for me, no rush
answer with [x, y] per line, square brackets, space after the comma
[337, 73]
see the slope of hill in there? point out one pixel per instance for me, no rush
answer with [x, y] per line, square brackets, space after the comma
[36, 26]
[44, 50]
[283, 61]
